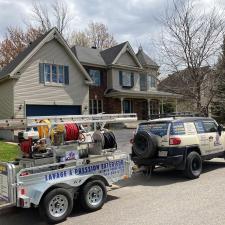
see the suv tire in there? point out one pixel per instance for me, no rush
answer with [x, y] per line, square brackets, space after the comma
[193, 165]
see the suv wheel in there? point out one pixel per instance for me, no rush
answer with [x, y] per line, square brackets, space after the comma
[193, 165]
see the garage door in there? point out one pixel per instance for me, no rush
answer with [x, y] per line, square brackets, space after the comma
[52, 110]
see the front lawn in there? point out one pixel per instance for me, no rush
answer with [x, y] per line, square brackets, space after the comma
[8, 152]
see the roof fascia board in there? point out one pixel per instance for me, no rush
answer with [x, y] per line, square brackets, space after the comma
[126, 67]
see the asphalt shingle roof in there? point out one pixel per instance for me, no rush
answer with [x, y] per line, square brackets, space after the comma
[19, 58]
[144, 59]
[88, 55]
[110, 54]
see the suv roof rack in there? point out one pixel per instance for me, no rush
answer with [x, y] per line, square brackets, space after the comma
[175, 114]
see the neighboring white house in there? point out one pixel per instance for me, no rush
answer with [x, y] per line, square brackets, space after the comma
[44, 79]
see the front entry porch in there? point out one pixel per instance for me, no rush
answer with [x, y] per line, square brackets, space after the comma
[147, 108]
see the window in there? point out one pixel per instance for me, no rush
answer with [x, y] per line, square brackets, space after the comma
[199, 127]
[95, 106]
[159, 129]
[61, 77]
[96, 76]
[56, 74]
[143, 82]
[152, 82]
[126, 79]
[47, 73]
[127, 106]
[209, 126]
[177, 128]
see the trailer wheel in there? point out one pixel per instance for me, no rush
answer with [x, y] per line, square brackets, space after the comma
[93, 195]
[56, 205]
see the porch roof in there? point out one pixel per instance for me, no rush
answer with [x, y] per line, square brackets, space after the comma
[140, 94]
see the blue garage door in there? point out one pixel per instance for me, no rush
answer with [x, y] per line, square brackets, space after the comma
[52, 110]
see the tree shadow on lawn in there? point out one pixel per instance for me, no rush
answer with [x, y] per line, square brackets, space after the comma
[166, 176]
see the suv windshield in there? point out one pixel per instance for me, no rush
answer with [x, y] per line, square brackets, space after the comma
[159, 129]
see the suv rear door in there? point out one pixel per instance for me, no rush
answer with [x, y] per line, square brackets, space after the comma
[215, 142]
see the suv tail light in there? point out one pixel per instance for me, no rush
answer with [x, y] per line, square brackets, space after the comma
[175, 141]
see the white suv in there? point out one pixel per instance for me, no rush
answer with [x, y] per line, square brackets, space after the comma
[180, 142]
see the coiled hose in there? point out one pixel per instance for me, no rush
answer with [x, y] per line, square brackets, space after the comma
[71, 131]
[109, 140]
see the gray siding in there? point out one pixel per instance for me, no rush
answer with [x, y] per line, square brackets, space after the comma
[126, 59]
[6, 99]
[28, 90]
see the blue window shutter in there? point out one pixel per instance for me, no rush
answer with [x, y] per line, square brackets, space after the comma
[132, 79]
[41, 73]
[121, 78]
[66, 75]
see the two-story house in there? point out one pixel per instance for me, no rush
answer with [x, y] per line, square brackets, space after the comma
[44, 79]
[124, 82]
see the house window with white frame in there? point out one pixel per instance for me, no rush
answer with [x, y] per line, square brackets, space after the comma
[152, 81]
[95, 106]
[55, 74]
[95, 76]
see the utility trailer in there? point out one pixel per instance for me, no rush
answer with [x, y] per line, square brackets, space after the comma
[52, 187]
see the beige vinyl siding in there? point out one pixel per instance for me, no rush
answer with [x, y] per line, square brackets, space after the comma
[126, 59]
[28, 90]
[6, 99]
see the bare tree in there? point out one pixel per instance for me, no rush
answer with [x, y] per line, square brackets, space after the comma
[80, 38]
[96, 35]
[99, 36]
[57, 15]
[191, 39]
[15, 41]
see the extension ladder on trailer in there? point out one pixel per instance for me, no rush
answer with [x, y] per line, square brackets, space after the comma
[79, 119]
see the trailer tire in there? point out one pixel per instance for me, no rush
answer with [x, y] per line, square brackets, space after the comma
[93, 195]
[56, 205]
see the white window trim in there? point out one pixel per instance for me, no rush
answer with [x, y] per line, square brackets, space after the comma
[56, 84]
[92, 104]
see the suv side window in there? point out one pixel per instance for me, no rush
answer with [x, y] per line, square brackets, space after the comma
[177, 128]
[209, 126]
[199, 127]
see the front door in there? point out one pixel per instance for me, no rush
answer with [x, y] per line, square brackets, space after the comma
[127, 106]
[144, 110]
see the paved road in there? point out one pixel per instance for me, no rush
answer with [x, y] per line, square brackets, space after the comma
[164, 198]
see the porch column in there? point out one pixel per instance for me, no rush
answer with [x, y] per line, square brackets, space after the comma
[159, 106]
[176, 105]
[121, 104]
[149, 112]
[162, 107]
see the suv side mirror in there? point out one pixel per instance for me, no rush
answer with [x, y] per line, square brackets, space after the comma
[220, 129]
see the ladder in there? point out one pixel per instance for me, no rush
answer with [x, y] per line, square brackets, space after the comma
[23, 123]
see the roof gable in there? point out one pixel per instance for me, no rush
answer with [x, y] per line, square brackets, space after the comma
[127, 59]
[144, 59]
[110, 54]
[12, 68]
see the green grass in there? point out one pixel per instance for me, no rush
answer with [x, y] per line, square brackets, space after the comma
[8, 152]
